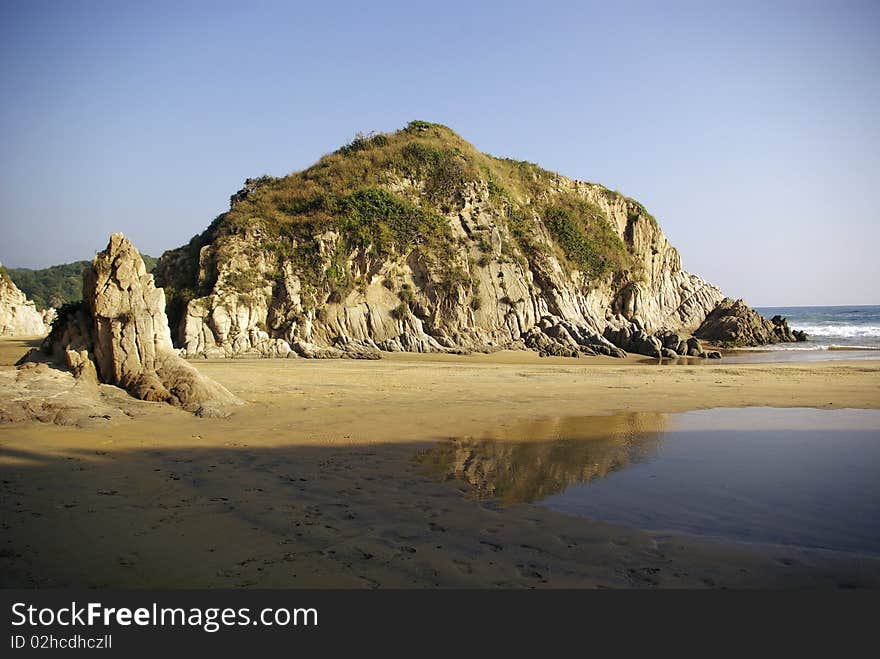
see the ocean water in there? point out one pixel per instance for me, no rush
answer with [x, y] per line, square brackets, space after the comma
[830, 327]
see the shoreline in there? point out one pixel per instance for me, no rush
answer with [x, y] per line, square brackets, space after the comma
[407, 396]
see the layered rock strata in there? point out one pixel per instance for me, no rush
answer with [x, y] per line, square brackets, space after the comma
[505, 255]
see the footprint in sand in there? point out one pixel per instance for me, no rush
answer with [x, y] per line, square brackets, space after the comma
[464, 566]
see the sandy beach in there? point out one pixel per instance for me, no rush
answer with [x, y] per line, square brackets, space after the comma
[314, 482]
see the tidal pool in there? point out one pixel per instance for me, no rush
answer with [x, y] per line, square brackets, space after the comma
[802, 477]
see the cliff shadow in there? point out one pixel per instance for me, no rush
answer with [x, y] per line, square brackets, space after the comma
[349, 516]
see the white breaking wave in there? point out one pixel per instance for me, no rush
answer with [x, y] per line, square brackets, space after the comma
[806, 346]
[784, 346]
[842, 331]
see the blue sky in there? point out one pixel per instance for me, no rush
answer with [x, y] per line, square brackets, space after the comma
[749, 129]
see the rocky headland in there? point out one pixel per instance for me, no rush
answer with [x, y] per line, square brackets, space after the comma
[406, 242]
[415, 241]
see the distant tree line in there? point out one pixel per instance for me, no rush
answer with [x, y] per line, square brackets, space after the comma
[57, 284]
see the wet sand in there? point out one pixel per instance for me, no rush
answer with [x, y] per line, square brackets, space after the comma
[313, 483]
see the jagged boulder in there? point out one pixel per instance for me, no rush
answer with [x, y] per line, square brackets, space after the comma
[556, 337]
[18, 315]
[119, 335]
[733, 322]
[694, 347]
[670, 340]
[633, 338]
[781, 329]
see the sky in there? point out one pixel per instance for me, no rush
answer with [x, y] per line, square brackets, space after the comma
[750, 130]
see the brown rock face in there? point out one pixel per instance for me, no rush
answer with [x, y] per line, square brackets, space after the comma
[506, 297]
[734, 322]
[131, 336]
[121, 336]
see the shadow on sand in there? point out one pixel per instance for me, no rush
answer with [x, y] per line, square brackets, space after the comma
[360, 516]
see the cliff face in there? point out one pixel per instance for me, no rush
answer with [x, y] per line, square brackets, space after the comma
[18, 315]
[415, 241]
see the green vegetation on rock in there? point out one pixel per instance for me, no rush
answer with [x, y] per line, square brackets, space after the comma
[583, 232]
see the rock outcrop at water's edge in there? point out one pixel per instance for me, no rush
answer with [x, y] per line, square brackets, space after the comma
[734, 323]
[414, 241]
[119, 335]
[18, 315]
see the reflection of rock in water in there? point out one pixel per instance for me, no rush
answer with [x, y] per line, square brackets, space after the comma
[533, 460]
